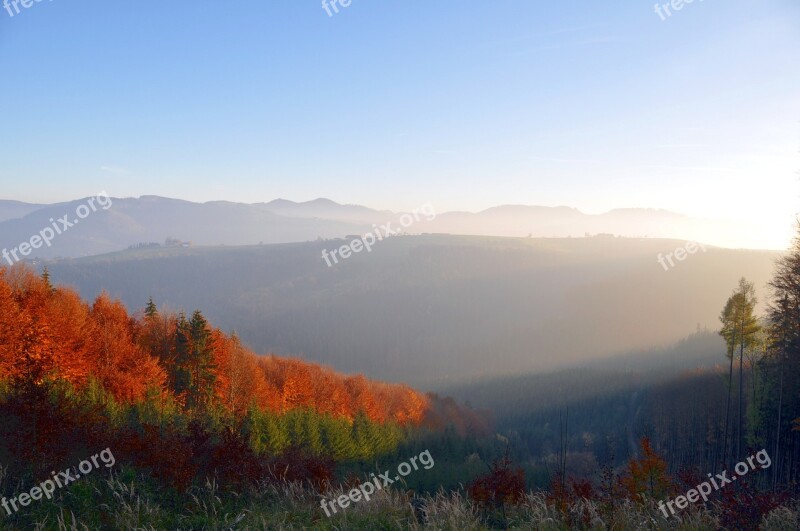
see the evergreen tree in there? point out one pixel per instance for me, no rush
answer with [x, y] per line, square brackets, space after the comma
[181, 373]
[366, 436]
[336, 437]
[784, 315]
[201, 364]
[151, 310]
[276, 433]
[46, 279]
[312, 432]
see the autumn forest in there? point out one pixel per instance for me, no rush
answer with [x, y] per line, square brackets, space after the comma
[199, 423]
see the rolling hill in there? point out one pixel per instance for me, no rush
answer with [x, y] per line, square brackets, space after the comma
[433, 309]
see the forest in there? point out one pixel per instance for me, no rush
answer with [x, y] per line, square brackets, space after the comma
[426, 309]
[181, 400]
[206, 433]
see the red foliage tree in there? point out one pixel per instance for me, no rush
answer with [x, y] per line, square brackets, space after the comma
[503, 485]
[119, 363]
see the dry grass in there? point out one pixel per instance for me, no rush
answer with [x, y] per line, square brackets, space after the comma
[134, 505]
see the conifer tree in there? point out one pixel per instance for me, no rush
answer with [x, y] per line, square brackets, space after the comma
[312, 432]
[336, 437]
[784, 316]
[180, 372]
[151, 310]
[46, 278]
[201, 363]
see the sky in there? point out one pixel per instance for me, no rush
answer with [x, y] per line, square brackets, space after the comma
[468, 105]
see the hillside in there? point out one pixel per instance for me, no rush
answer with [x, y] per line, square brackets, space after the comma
[50, 333]
[16, 209]
[429, 309]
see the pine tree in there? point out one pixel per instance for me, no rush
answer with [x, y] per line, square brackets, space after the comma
[336, 436]
[194, 371]
[784, 315]
[151, 310]
[201, 364]
[366, 436]
[312, 432]
[275, 433]
[46, 279]
[180, 373]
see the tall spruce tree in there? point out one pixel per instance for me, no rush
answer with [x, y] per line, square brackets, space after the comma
[201, 364]
[194, 375]
[46, 278]
[180, 374]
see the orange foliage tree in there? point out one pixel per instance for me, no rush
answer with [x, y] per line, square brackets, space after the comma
[647, 475]
[48, 332]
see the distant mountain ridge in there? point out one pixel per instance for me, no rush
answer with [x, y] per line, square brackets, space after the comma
[146, 219]
[16, 209]
[325, 209]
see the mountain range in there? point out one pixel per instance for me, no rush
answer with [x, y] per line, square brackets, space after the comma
[152, 219]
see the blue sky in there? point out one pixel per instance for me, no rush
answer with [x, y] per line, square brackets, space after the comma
[595, 105]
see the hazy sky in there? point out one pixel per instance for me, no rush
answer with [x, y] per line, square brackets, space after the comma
[467, 104]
